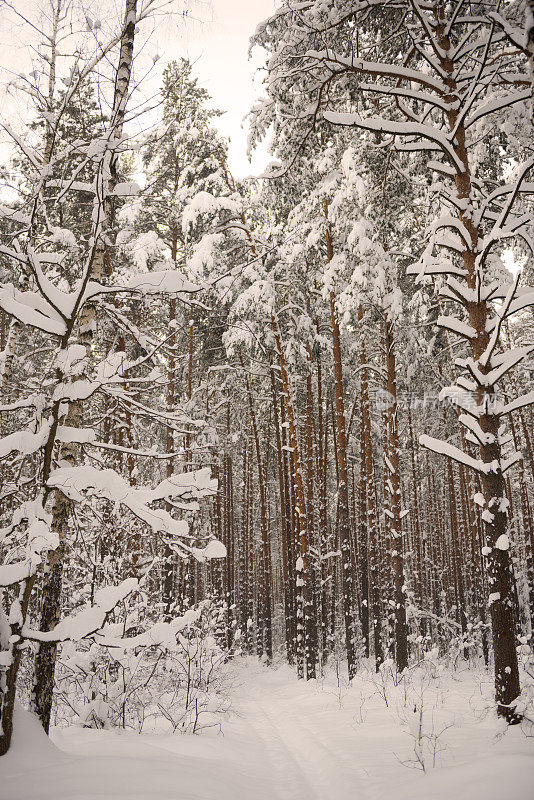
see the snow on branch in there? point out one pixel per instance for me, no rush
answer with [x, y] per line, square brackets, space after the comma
[40, 538]
[454, 290]
[24, 442]
[511, 461]
[520, 402]
[380, 70]
[453, 452]
[479, 436]
[88, 621]
[161, 634]
[48, 309]
[429, 265]
[520, 302]
[164, 281]
[32, 401]
[186, 488]
[486, 355]
[456, 326]
[31, 309]
[448, 221]
[497, 104]
[514, 34]
[504, 363]
[501, 230]
[381, 125]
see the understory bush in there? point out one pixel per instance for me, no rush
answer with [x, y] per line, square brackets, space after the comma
[169, 676]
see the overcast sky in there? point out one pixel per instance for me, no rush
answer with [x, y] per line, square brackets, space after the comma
[219, 47]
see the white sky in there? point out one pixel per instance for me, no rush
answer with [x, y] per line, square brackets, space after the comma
[215, 37]
[218, 46]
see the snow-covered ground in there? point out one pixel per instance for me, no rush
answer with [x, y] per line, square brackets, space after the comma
[290, 740]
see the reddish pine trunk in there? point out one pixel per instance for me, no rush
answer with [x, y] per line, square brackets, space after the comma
[499, 569]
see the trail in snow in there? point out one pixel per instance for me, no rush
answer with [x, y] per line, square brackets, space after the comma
[305, 764]
[285, 740]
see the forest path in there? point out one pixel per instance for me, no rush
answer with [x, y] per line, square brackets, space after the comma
[305, 762]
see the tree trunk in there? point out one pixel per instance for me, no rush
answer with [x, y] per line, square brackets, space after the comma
[305, 633]
[288, 610]
[265, 608]
[344, 532]
[372, 522]
[393, 503]
[169, 557]
[499, 570]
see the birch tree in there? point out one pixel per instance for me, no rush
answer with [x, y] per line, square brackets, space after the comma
[53, 436]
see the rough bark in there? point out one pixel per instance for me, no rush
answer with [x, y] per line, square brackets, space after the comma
[499, 568]
[393, 502]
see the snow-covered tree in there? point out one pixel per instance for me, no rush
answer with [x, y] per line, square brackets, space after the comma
[432, 89]
[49, 446]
